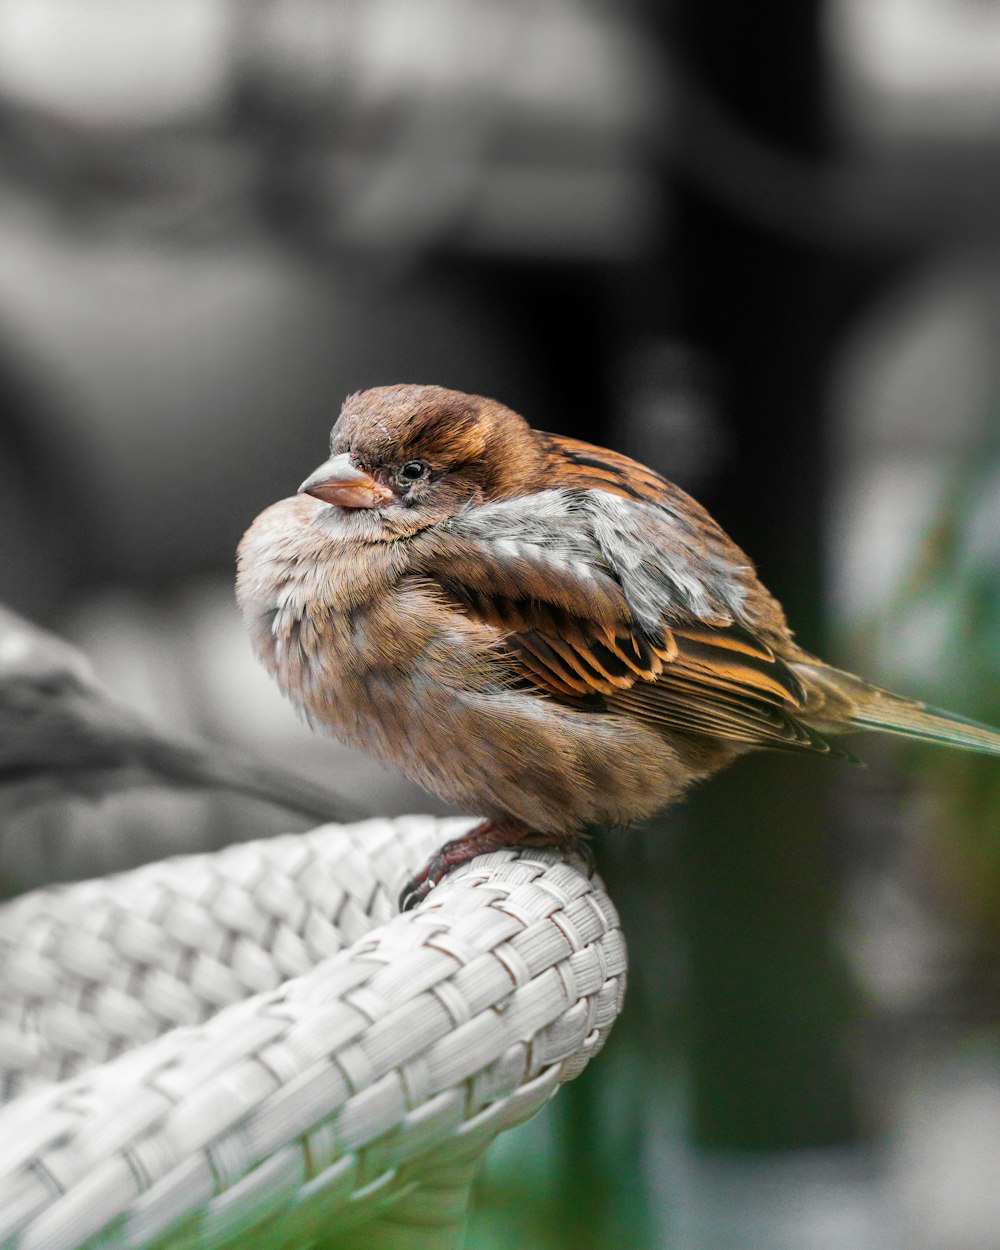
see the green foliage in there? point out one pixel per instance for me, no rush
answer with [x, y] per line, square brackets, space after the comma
[578, 1176]
[944, 627]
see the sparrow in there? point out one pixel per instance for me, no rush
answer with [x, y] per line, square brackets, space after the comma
[63, 735]
[539, 630]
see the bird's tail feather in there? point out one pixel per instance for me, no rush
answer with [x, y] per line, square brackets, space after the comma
[840, 702]
[894, 715]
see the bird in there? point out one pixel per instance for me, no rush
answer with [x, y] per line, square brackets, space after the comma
[63, 736]
[540, 630]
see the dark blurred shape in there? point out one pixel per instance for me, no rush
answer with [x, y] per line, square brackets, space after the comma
[63, 736]
[380, 128]
[769, 1068]
[36, 557]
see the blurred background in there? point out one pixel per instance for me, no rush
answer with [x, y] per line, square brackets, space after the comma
[755, 246]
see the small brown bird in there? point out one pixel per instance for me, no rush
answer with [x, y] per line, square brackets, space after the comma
[534, 628]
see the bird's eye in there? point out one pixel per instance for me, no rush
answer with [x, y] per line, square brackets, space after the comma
[412, 471]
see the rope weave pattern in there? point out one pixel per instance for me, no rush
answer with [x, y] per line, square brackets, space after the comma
[307, 1060]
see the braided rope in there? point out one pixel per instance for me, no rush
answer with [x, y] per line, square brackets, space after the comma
[253, 1042]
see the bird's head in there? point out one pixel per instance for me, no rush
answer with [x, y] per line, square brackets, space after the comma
[418, 454]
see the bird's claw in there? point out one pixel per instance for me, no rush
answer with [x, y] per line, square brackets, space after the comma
[485, 837]
[418, 887]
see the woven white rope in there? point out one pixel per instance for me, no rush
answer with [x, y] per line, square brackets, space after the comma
[252, 1047]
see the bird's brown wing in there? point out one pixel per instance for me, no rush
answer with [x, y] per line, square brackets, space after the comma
[727, 684]
[584, 466]
[534, 569]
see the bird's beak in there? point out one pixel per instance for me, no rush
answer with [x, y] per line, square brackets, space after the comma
[340, 482]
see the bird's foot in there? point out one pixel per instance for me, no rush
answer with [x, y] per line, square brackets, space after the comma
[487, 836]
